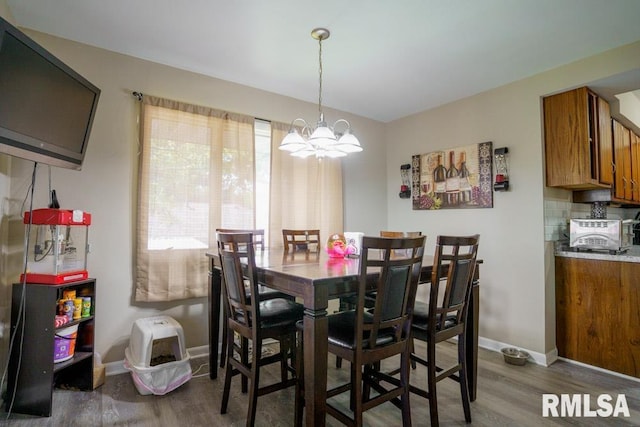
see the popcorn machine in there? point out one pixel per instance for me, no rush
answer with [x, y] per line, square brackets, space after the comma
[58, 247]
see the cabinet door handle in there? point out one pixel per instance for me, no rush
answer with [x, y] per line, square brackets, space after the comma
[613, 167]
[624, 182]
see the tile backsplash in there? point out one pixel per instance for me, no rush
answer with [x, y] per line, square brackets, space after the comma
[558, 212]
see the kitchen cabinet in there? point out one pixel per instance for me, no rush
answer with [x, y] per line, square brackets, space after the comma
[623, 188]
[32, 373]
[627, 162]
[578, 143]
[598, 313]
[635, 166]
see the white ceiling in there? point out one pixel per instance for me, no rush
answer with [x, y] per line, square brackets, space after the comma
[384, 60]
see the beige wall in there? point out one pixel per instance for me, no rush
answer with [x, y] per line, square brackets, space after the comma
[517, 297]
[4, 11]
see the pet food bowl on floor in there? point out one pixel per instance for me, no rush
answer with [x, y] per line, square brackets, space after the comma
[156, 356]
[514, 356]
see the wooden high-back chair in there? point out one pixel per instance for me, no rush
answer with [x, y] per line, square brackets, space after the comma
[265, 292]
[252, 320]
[301, 240]
[445, 316]
[366, 336]
[258, 235]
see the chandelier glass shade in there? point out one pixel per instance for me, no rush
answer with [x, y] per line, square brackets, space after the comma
[322, 141]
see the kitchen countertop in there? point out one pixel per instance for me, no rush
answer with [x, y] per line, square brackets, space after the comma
[631, 255]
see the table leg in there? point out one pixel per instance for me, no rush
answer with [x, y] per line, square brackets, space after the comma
[472, 340]
[215, 282]
[315, 360]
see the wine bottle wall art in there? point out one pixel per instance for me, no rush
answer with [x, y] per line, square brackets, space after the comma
[454, 178]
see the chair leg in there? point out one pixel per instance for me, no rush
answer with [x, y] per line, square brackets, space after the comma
[338, 362]
[255, 379]
[223, 350]
[404, 382]
[431, 383]
[227, 376]
[412, 350]
[464, 382]
[285, 345]
[244, 357]
[299, 399]
[356, 390]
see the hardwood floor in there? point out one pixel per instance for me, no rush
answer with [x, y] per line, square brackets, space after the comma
[507, 396]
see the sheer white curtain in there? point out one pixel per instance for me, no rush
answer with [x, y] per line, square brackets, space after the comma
[196, 173]
[305, 193]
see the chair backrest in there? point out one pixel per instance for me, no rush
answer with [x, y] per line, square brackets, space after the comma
[454, 266]
[396, 281]
[398, 234]
[258, 235]
[237, 259]
[301, 240]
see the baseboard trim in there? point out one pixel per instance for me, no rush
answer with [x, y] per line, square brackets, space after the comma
[536, 357]
[116, 368]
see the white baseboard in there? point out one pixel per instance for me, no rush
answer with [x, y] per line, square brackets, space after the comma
[116, 368]
[536, 357]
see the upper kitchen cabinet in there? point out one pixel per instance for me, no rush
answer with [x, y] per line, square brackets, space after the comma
[623, 188]
[627, 159]
[578, 143]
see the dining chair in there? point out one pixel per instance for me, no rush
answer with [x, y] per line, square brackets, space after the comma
[348, 302]
[366, 336]
[258, 235]
[444, 316]
[264, 291]
[301, 240]
[253, 321]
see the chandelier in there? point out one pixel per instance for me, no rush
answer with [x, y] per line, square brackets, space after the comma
[323, 141]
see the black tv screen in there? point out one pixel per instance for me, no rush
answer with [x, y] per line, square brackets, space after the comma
[46, 108]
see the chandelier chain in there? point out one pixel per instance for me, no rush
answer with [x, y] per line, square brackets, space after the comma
[320, 77]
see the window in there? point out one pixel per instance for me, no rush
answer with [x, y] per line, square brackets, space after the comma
[202, 169]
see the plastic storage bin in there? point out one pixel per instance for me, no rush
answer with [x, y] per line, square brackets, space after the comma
[65, 344]
[156, 356]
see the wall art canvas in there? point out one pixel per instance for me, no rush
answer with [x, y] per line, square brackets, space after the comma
[455, 178]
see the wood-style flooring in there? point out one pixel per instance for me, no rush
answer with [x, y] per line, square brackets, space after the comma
[508, 395]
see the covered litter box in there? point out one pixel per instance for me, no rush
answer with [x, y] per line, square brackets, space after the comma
[156, 356]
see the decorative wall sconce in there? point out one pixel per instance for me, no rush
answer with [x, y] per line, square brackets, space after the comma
[501, 156]
[405, 189]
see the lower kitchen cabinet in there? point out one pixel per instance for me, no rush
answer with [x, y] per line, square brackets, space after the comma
[598, 313]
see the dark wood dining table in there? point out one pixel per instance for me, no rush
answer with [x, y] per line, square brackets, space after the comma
[315, 279]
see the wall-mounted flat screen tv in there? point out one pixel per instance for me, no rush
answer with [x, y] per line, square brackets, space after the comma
[46, 108]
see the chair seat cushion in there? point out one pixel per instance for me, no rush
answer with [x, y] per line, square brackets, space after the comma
[265, 293]
[342, 330]
[280, 312]
[421, 318]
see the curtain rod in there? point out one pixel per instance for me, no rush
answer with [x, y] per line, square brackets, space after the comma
[140, 95]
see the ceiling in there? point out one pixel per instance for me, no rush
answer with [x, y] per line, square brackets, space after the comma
[384, 60]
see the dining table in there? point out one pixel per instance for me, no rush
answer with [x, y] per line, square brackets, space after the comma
[314, 279]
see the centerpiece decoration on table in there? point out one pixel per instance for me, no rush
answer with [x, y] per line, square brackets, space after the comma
[337, 246]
